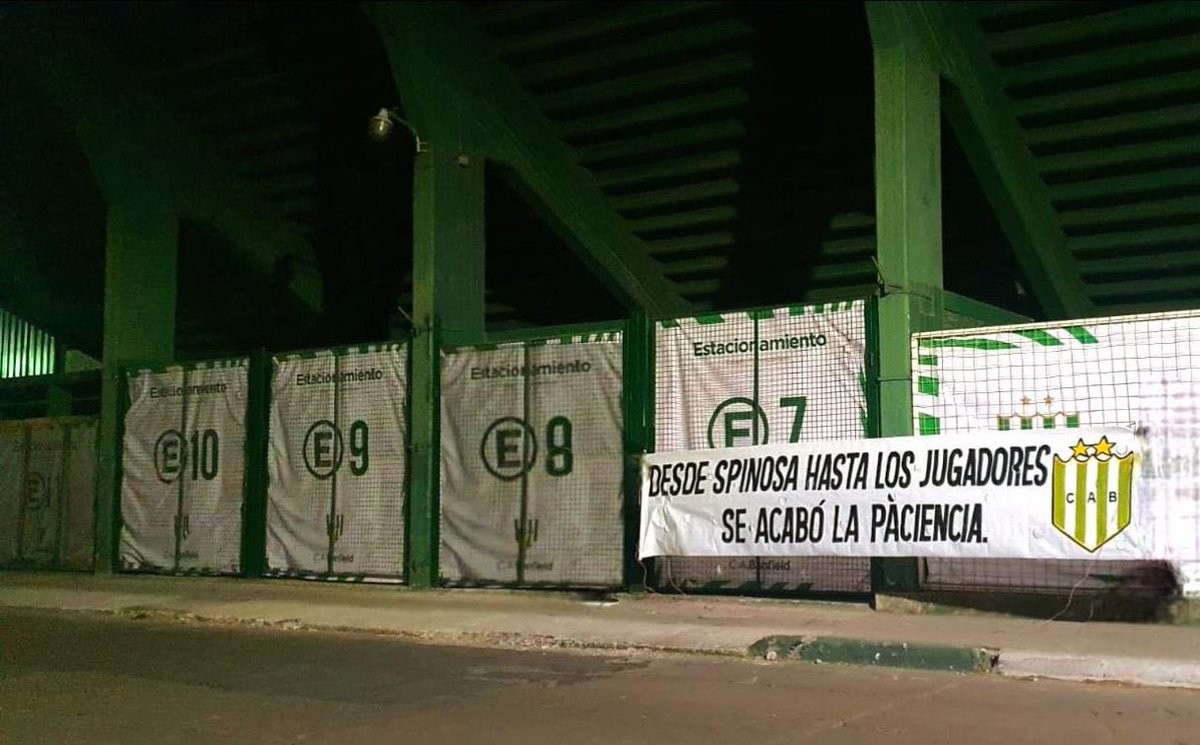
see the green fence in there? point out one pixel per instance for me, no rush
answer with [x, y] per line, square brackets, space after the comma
[299, 464]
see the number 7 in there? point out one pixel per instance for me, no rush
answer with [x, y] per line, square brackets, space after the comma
[799, 403]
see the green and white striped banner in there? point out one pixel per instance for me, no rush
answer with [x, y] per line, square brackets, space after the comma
[1092, 373]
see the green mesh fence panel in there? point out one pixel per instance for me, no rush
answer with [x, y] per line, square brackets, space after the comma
[532, 463]
[47, 493]
[183, 468]
[791, 374]
[1098, 372]
[337, 463]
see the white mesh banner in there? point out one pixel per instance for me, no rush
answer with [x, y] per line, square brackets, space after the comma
[788, 375]
[12, 480]
[762, 377]
[337, 463]
[532, 463]
[47, 492]
[77, 545]
[184, 468]
[1093, 373]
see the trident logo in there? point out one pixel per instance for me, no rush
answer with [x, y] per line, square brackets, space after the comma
[334, 525]
[527, 533]
[182, 527]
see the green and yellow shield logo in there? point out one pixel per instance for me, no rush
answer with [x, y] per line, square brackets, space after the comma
[1093, 493]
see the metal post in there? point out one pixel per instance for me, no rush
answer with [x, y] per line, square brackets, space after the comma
[638, 417]
[448, 256]
[908, 199]
[254, 501]
[139, 324]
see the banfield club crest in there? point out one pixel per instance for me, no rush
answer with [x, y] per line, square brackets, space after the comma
[1093, 493]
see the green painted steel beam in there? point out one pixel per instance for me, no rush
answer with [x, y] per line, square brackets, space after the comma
[908, 198]
[908, 226]
[843, 273]
[1066, 102]
[674, 108]
[138, 148]
[139, 324]
[982, 117]
[1162, 305]
[448, 293]
[1119, 155]
[1140, 264]
[303, 156]
[1148, 287]
[852, 222]
[699, 288]
[649, 144]
[831, 294]
[677, 195]
[846, 248]
[1112, 186]
[1100, 61]
[211, 93]
[1084, 27]
[707, 217]
[1144, 209]
[1144, 238]
[720, 161]
[637, 416]
[719, 239]
[615, 89]
[253, 141]
[519, 10]
[611, 20]
[203, 63]
[1118, 124]
[699, 37]
[1008, 8]
[985, 313]
[460, 96]
[696, 265]
[279, 107]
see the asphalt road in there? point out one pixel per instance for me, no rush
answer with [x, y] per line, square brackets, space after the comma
[79, 678]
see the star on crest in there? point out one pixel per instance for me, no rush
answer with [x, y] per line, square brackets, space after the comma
[1080, 449]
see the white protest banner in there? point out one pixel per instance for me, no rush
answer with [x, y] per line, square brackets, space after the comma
[1048, 494]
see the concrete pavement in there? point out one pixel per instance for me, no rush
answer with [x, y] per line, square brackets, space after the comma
[1147, 654]
[97, 679]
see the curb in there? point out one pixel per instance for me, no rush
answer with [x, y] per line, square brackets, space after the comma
[840, 651]
[1160, 673]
